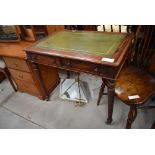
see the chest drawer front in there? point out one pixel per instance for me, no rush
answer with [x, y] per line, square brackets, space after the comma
[24, 76]
[27, 87]
[16, 63]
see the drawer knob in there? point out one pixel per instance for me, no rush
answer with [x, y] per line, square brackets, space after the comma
[96, 69]
[21, 76]
[68, 63]
[33, 56]
[53, 61]
[26, 87]
[16, 65]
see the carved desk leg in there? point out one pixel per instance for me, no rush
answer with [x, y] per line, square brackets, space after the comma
[38, 76]
[111, 94]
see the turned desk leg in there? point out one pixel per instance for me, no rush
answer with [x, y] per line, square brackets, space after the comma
[39, 77]
[111, 94]
[101, 91]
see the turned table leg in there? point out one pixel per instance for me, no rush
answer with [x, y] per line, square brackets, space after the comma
[39, 77]
[101, 91]
[111, 94]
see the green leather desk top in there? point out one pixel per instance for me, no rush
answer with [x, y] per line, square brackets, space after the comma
[92, 43]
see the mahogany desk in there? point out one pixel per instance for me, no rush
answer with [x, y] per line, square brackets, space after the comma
[97, 53]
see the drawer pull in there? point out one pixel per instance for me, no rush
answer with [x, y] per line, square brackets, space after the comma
[21, 76]
[33, 56]
[68, 63]
[26, 87]
[16, 65]
[53, 61]
[96, 69]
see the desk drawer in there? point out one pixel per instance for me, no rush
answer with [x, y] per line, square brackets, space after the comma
[24, 76]
[49, 60]
[88, 67]
[79, 65]
[65, 63]
[16, 63]
[27, 87]
[75, 65]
